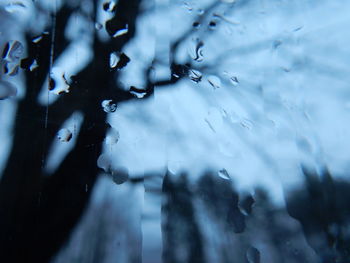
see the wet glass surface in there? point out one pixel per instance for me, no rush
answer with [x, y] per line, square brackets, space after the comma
[174, 131]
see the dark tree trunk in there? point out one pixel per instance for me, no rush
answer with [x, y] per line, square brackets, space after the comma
[38, 212]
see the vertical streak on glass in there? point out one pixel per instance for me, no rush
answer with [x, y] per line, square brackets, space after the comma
[49, 77]
[51, 58]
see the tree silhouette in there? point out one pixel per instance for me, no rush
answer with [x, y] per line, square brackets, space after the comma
[39, 211]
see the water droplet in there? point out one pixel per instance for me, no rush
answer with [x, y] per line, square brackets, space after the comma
[113, 60]
[246, 204]
[6, 50]
[118, 60]
[64, 135]
[224, 174]
[178, 71]
[200, 11]
[108, 106]
[29, 64]
[58, 82]
[13, 51]
[37, 39]
[253, 255]
[234, 80]
[212, 25]
[7, 89]
[214, 81]
[34, 65]
[14, 7]
[187, 6]
[52, 84]
[196, 50]
[98, 26]
[119, 175]
[196, 24]
[122, 31]
[138, 93]
[109, 6]
[195, 75]
[298, 28]
[11, 68]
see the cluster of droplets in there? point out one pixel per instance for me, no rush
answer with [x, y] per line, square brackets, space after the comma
[10, 63]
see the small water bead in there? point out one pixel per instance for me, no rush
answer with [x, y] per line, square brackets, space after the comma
[200, 11]
[37, 39]
[108, 106]
[109, 6]
[212, 25]
[187, 6]
[234, 80]
[119, 175]
[11, 69]
[34, 65]
[214, 81]
[138, 93]
[52, 84]
[246, 204]
[122, 31]
[58, 83]
[98, 26]
[196, 25]
[118, 60]
[224, 174]
[29, 64]
[14, 7]
[64, 135]
[113, 60]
